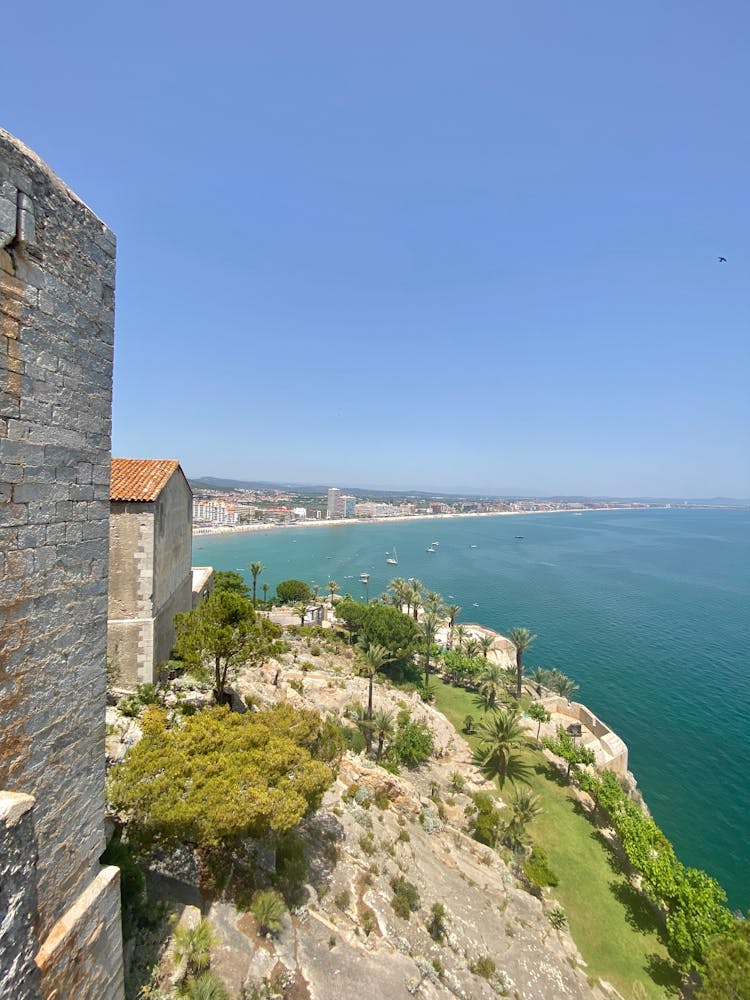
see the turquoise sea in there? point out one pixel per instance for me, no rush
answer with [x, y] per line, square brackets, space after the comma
[649, 611]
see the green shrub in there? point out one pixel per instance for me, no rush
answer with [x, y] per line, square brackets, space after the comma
[469, 724]
[315, 650]
[296, 685]
[369, 923]
[486, 819]
[342, 899]
[207, 986]
[367, 843]
[436, 924]
[537, 869]
[147, 694]
[129, 706]
[483, 966]
[458, 782]
[381, 800]
[403, 836]
[557, 918]
[412, 745]
[405, 897]
[291, 866]
[268, 908]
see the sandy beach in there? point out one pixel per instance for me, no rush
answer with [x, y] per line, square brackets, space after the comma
[296, 525]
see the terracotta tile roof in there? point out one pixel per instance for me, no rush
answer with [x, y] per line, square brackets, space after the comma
[140, 478]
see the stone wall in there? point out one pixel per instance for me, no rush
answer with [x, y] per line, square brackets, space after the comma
[130, 636]
[56, 342]
[612, 751]
[18, 903]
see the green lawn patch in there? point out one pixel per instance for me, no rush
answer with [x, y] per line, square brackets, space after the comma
[616, 931]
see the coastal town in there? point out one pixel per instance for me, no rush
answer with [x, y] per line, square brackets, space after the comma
[258, 506]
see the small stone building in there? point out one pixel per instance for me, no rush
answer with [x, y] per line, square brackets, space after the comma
[150, 574]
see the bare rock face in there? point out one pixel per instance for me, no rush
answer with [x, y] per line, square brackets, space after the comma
[346, 940]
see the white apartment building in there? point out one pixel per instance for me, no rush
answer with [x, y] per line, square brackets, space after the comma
[215, 512]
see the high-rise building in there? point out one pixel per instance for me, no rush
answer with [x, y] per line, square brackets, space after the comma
[332, 511]
[347, 506]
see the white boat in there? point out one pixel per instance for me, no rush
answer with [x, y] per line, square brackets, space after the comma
[435, 544]
[392, 557]
[430, 548]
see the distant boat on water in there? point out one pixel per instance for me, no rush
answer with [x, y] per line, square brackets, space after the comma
[472, 546]
[392, 557]
[431, 548]
[519, 536]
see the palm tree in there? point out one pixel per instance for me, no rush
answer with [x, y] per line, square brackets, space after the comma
[497, 756]
[417, 593]
[266, 587]
[256, 568]
[268, 908]
[461, 634]
[332, 587]
[315, 592]
[434, 605]
[562, 685]
[486, 643]
[539, 714]
[401, 593]
[472, 647]
[453, 611]
[491, 683]
[524, 807]
[540, 678]
[301, 610]
[361, 719]
[521, 639]
[374, 657]
[383, 727]
[192, 945]
[429, 625]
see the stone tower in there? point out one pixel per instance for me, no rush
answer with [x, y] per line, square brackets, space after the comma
[60, 934]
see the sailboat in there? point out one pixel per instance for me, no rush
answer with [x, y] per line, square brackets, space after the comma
[391, 557]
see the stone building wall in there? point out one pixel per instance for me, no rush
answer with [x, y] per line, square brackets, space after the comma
[130, 637]
[56, 341]
[150, 550]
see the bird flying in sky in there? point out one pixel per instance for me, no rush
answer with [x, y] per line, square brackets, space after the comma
[722, 260]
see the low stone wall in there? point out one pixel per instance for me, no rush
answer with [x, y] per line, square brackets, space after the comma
[82, 955]
[612, 752]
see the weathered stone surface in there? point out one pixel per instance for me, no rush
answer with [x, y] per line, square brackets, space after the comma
[57, 263]
[18, 896]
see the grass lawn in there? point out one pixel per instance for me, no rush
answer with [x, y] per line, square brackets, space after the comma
[615, 930]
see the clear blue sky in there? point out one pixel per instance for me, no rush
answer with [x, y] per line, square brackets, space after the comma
[415, 244]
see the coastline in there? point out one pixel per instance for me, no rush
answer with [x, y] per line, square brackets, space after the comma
[343, 522]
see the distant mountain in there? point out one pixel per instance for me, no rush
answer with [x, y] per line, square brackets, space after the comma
[215, 483]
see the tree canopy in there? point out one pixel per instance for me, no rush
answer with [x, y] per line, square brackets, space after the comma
[293, 591]
[224, 631]
[220, 776]
[228, 579]
[381, 625]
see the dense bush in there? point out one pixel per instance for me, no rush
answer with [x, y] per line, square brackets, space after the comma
[537, 869]
[486, 819]
[405, 897]
[412, 745]
[694, 902]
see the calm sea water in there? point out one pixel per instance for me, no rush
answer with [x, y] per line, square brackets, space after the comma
[649, 611]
